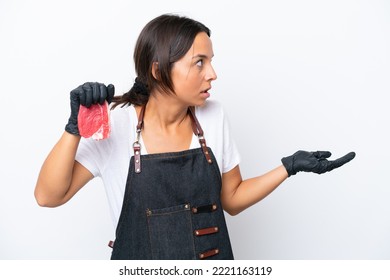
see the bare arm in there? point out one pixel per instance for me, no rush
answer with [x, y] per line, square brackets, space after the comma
[61, 176]
[238, 194]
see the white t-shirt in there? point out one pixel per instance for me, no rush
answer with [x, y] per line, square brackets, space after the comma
[110, 158]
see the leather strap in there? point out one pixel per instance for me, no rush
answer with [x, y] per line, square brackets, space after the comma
[199, 132]
[208, 253]
[196, 128]
[140, 124]
[111, 244]
[137, 157]
[205, 231]
[204, 208]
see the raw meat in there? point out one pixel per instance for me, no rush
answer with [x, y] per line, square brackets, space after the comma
[94, 121]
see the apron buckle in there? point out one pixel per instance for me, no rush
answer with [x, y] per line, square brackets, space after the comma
[137, 156]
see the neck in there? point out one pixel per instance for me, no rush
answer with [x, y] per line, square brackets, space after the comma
[164, 112]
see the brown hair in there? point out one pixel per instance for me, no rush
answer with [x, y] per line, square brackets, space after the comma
[165, 40]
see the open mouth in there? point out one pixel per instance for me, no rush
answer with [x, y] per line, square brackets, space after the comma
[205, 93]
[206, 90]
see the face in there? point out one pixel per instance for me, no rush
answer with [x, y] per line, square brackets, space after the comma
[192, 74]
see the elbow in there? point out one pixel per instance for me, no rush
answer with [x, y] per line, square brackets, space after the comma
[230, 207]
[232, 211]
[44, 201]
[41, 201]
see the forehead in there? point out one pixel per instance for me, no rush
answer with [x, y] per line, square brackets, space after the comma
[202, 46]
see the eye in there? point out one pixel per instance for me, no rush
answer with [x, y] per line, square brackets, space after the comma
[199, 63]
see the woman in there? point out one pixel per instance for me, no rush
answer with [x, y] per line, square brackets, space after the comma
[168, 202]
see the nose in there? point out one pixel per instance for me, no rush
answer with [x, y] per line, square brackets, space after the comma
[211, 74]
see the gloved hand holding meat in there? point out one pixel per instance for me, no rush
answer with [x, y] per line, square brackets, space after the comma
[89, 110]
[313, 162]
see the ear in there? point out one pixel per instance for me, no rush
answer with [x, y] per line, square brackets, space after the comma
[155, 70]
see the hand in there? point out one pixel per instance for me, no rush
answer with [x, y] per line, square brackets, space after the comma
[86, 95]
[313, 162]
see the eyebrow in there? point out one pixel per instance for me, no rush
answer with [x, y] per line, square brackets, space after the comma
[201, 56]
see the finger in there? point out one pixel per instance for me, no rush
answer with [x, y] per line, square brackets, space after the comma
[95, 93]
[322, 154]
[110, 92]
[341, 161]
[83, 97]
[88, 94]
[75, 94]
[347, 158]
[103, 94]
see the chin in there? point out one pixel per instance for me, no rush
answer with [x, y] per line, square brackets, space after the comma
[200, 103]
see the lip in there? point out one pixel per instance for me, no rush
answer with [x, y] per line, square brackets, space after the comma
[205, 94]
[206, 90]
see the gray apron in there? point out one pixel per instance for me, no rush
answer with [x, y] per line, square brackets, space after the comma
[171, 207]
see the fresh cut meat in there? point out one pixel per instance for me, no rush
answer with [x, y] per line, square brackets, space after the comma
[94, 121]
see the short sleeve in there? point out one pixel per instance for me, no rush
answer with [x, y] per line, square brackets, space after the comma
[218, 136]
[91, 154]
[231, 156]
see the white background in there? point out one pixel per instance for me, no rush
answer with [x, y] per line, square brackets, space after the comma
[291, 75]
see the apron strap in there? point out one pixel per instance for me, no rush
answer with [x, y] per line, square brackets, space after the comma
[141, 119]
[199, 132]
[136, 144]
[196, 128]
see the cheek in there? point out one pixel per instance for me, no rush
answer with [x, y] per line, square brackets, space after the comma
[178, 79]
[185, 81]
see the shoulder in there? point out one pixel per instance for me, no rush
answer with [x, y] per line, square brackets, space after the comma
[123, 121]
[120, 112]
[122, 116]
[211, 109]
[211, 116]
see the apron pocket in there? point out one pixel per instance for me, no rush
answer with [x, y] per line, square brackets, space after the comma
[171, 233]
